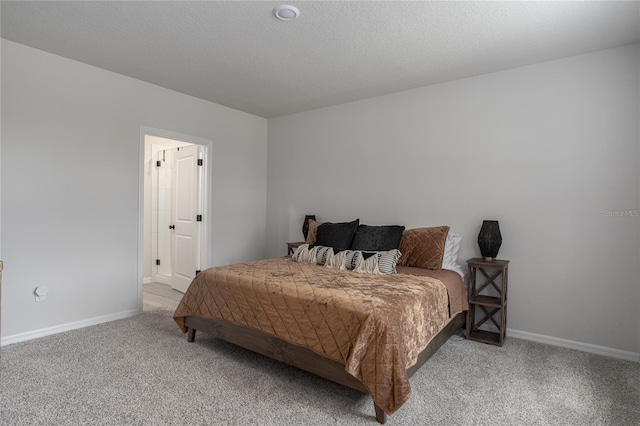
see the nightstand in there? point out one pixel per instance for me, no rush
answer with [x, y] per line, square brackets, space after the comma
[487, 292]
[291, 247]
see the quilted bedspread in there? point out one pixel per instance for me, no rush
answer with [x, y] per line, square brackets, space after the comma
[376, 325]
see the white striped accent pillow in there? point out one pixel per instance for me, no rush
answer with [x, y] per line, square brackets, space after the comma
[387, 260]
[303, 254]
[350, 259]
[321, 255]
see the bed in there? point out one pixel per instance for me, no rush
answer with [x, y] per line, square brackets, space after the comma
[370, 332]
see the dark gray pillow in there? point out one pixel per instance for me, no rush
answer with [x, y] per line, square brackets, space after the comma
[337, 235]
[377, 238]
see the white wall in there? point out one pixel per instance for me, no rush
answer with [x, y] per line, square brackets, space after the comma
[70, 182]
[546, 149]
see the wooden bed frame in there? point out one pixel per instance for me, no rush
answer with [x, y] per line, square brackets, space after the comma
[303, 358]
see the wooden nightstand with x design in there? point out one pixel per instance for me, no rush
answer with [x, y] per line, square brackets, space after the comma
[487, 293]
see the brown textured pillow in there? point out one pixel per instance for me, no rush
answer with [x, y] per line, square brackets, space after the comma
[423, 247]
[313, 232]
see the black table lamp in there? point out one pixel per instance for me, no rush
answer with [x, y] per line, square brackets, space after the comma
[305, 224]
[489, 239]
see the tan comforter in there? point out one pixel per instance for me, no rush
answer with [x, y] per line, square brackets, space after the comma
[376, 325]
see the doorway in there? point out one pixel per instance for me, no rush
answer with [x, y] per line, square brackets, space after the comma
[175, 208]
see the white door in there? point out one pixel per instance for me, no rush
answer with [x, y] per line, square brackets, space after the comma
[186, 211]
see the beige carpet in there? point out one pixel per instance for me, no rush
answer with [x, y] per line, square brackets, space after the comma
[142, 371]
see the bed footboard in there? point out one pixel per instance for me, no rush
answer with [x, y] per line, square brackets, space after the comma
[303, 358]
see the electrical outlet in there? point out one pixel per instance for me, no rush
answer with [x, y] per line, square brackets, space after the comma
[41, 293]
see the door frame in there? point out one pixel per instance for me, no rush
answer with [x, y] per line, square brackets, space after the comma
[206, 202]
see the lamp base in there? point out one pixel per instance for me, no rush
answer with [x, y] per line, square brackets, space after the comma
[489, 259]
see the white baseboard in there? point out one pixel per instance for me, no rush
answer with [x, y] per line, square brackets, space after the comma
[571, 344]
[147, 280]
[21, 337]
[163, 280]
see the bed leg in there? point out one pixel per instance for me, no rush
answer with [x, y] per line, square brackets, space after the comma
[191, 335]
[381, 416]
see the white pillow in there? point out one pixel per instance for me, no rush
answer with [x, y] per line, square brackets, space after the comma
[451, 249]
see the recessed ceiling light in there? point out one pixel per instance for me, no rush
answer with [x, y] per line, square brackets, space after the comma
[286, 12]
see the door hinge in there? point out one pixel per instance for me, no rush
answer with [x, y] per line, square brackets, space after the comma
[199, 161]
[172, 227]
[199, 218]
[158, 163]
[198, 271]
[157, 261]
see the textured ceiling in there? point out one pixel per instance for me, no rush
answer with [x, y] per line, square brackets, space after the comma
[239, 55]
